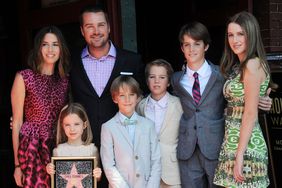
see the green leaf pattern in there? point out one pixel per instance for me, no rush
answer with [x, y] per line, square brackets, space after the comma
[256, 156]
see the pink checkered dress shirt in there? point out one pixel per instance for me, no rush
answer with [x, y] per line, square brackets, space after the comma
[99, 70]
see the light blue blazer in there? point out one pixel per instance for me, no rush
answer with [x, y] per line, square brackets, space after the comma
[127, 165]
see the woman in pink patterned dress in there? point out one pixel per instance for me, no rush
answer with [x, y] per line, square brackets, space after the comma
[37, 96]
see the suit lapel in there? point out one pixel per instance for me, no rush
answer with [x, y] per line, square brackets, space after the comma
[119, 63]
[123, 130]
[83, 74]
[143, 105]
[168, 114]
[138, 133]
[210, 83]
[208, 87]
[169, 110]
[181, 88]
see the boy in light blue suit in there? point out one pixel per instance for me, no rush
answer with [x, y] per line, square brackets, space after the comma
[130, 150]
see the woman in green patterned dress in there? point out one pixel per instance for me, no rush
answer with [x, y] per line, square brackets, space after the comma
[243, 158]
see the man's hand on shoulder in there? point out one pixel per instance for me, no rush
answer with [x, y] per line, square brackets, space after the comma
[265, 102]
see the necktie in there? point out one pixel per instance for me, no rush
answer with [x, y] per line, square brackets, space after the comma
[196, 89]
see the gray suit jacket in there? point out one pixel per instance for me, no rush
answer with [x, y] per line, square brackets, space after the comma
[201, 124]
[127, 165]
[168, 139]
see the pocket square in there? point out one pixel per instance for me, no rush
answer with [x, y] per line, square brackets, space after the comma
[126, 73]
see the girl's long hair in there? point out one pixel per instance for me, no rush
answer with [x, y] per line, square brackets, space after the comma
[254, 45]
[78, 109]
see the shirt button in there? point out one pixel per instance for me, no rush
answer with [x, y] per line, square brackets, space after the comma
[136, 157]
[137, 175]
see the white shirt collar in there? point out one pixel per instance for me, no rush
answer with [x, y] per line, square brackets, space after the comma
[112, 52]
[162, 102]
[123, 117]
[202, 71]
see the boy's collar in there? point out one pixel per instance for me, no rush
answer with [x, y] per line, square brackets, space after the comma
[122, 117]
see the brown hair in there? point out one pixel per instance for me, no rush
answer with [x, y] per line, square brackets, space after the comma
[254, 43]
[35, 58]
[123, 80]
[195, 30]
[78, 109]
[92, 9]
[159, 63]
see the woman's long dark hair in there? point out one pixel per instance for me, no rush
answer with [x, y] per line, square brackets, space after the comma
[35, 58]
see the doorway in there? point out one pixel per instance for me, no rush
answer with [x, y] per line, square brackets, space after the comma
[158, 24]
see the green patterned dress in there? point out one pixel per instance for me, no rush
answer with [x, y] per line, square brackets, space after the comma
[256, 155]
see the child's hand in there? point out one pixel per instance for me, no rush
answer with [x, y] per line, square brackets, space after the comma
[97, 172]
[50, 168]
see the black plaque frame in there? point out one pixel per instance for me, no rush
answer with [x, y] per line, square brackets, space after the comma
[73, 171]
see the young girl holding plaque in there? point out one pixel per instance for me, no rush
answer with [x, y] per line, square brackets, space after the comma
[74, 137]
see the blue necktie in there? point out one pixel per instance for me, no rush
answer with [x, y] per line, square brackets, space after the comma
[196, 89]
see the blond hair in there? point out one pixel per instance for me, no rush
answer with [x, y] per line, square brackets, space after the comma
[160, 63]
[122, 81]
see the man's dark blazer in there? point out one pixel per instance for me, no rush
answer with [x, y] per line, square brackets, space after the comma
[101, 109]
[201, 124]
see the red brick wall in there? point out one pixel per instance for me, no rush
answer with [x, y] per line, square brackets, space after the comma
[269, 15]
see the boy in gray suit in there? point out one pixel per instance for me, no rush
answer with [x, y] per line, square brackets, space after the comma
[199, 86]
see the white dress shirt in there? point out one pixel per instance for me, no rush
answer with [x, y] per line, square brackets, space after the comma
[204, 74]
[155, 111]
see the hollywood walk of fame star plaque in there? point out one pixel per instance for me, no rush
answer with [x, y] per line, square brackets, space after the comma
[73, 172]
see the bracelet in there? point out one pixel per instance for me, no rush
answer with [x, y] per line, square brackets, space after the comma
[17, 166]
